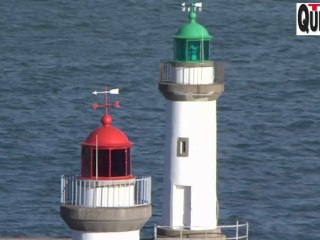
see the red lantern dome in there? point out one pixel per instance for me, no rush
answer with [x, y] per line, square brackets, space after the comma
[106, 152]
[108, 136]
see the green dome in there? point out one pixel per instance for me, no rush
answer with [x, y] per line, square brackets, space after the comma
[193, 30]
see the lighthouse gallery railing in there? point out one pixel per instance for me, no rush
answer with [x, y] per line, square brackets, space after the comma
[100, 193]
[202, 73]
[238, 231]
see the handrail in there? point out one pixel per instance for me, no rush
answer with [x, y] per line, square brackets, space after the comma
[238, 231]
[212, 73]
[241, 230]
[105, 193]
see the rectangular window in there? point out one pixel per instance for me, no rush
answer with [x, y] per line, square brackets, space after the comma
[194, 51]
[86, 161]
[183, 147]
[103, 163]
[180, 50]
[206, 50]
[128, 162]
[118, 165]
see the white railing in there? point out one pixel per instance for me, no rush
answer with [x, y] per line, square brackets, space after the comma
[105, 193]
[195, 75]
[239, 231]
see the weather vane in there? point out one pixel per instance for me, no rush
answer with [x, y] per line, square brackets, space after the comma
[106, 104]
[191, 6]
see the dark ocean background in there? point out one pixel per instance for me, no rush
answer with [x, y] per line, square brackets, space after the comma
[54, 53]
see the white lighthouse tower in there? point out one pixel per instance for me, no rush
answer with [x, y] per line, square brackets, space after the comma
[106, 202]
[191, 84]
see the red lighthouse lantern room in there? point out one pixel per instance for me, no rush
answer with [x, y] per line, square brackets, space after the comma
[106, 202]
[105, 155]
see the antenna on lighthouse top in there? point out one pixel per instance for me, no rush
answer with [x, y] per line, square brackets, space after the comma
[191, 6]
[106, 104]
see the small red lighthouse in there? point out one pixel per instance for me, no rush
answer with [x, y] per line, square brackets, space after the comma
[106, 153]
[106, 201]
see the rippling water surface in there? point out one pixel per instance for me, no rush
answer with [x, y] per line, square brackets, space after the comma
[53, 54]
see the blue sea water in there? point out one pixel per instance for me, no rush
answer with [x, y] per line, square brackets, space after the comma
[53, 54]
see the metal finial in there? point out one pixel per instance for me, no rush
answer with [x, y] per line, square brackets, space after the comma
[106, 104]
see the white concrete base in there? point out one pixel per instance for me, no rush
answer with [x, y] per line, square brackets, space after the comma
[131, 235]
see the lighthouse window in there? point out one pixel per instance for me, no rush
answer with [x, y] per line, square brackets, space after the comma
[100, 165]
[191, 51]
[205, 50]
[85, 161]
[128, 162]
[180, 50]
[118, 165]
[194, 51]
[198, 51]
[183, 147]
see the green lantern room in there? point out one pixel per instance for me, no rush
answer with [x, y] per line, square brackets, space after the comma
[191, 43]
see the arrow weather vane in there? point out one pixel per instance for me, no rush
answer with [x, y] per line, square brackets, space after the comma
[191, 6]
[106, 104]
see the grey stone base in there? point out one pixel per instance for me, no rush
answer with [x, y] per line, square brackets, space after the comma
[105, 219]
[182, 92]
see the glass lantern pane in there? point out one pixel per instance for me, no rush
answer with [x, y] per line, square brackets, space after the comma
[118, 165]
[180, 50]
[103, 163]
[194, 51]
[206, 50]
[128, 162]
[85, 161]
